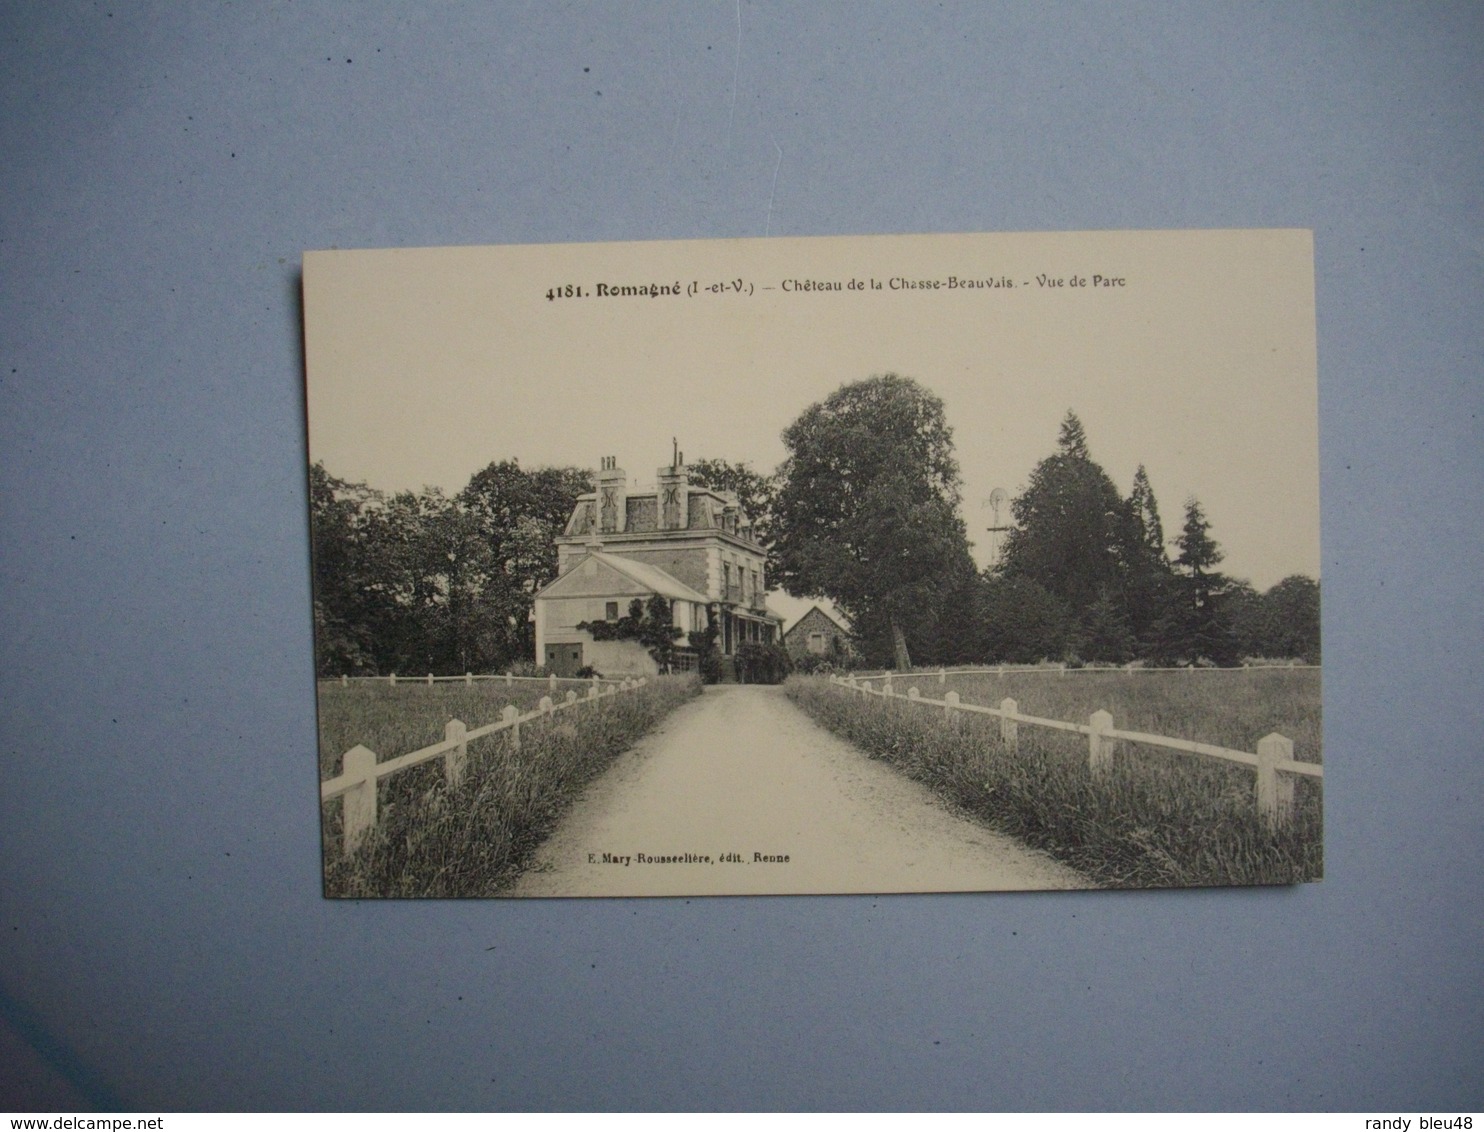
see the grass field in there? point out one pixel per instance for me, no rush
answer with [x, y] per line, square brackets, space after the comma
[1159, 819]
[1228, 707]
[475, 839]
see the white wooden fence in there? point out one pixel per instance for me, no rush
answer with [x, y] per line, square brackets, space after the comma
[1274, 760]
[506, 678]
[942, 674]
[360, 771]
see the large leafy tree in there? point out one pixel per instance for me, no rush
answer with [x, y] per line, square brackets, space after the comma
[1284, 622]
[1294, 603]
[420, 582]
[520, 513]
[867, 508]
[352, 610]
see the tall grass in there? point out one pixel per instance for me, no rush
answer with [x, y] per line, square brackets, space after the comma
[1226, 707]
[1159, 819]
[394, 719]
[473, 840]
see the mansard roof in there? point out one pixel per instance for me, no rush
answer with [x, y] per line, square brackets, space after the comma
[641, 513]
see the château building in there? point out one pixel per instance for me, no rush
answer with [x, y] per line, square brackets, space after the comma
[691, 545]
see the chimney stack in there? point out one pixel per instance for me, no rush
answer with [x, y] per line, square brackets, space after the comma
[612, 496]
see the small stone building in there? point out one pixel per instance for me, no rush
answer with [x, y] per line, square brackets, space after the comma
[818, 634]
[691, 545]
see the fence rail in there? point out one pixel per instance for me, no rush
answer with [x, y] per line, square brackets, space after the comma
[1273, 760]
[941, 674]
[360, 772]
[506, 678]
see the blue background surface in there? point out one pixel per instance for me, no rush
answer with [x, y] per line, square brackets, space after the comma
[163, 944]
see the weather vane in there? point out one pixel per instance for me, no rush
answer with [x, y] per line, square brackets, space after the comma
[996, 503]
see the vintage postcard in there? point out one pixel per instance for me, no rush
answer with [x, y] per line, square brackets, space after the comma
[835, 565]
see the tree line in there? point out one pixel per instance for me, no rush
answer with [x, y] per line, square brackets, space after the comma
[864, 511]
[416, 582]
[426, 582]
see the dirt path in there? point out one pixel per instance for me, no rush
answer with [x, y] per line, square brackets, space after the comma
[742, 771]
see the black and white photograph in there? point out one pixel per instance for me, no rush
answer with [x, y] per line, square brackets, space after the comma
[877, 564]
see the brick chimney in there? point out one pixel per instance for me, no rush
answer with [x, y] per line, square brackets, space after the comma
[613, 507]
[673, 491]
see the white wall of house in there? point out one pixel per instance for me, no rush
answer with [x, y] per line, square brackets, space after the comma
[619, 658]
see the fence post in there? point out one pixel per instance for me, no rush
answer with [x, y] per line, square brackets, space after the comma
[344, 680]
[392, 679]
[545, 705]
[571, 695]
[1274, 790]
[551, 682]
[509, 679]
[950, 707]
[913, 693]
[593, 693]
[454, 760]
[511, 715]
[1063, 667]
[358, 816]
[1009, 725]
[468, 677]
[942, 675]
[430, 679]
[1099, 746]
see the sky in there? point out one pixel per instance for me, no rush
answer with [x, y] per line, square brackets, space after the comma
[425, 365]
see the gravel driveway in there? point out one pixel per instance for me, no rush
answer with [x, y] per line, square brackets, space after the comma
[740, 792]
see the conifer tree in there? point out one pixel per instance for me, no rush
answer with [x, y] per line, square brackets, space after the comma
[1204, 626]
[1072, 529]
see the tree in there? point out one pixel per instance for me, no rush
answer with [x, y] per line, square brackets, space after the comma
[867, 507]
[1073, 534]
[346, 605]
[420, 582]
[1104, 632]
[520, 514]
[1020, 621]
[1147, 565]
[1284, 622]
[1203, 626]
[1294, 603]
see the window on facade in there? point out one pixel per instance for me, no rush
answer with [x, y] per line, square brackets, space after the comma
[610, 611]
[726, 579]
[816, 643]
